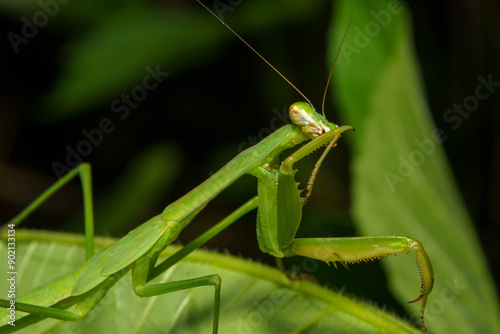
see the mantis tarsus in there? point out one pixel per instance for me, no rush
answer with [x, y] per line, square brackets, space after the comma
[279, 204]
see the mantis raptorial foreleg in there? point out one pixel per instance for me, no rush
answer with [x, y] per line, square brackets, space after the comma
[358, 249]
[280, 212]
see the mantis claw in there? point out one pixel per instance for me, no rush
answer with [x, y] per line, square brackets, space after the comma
[358, 249]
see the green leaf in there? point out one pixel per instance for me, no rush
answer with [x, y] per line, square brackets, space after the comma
[255, 298]
[402, 183]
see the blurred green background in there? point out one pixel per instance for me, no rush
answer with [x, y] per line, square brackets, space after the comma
[69, 67]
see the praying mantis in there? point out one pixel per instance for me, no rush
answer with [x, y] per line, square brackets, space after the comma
[279, 203]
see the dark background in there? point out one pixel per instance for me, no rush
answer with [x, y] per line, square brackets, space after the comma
[221, 94]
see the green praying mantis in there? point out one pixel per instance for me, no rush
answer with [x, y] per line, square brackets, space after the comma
[279, 202]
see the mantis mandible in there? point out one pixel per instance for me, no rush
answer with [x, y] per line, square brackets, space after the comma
[279, 203]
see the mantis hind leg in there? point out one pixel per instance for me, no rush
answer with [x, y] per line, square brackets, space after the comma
[143, 270]
[140, 274]
[143, 290]
[83, 305]
[82, 170]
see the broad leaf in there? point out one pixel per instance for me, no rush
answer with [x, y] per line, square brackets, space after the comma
[402, 183]
[255, 298]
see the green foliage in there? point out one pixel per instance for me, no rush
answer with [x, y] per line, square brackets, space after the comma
[402, 183]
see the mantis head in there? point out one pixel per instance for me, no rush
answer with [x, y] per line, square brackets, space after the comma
[310, 122]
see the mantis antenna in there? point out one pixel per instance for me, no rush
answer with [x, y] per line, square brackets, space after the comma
[274, 68]
[335, 61]
[328, 148]
[258, 54]
[312, 178]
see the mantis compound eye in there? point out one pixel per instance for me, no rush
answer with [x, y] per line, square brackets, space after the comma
[301, 114]
[310, 122]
